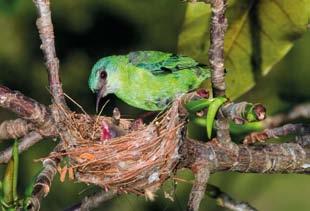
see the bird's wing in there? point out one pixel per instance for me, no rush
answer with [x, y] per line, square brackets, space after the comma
[161, 63]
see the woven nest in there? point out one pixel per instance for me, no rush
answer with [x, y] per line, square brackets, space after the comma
[138, 161]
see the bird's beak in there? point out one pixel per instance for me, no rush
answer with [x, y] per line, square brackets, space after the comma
[100, 94]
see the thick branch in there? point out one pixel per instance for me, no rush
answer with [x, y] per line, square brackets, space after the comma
[199, 187]
[46, 32]
[12, 129]
[23, 106]
[26, 142]
[28, 109]
[264, 158]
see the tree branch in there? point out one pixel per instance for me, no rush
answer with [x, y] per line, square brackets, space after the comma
[288, 129]
[26, 142]
[216, 60]
[243, 112]
[23, 106]
[199, 187]
[93, 201]
[301, 111]
[43, 183]
[264, 158]
[12, 129]
[226, 201]
[46, 32]
[216, 51]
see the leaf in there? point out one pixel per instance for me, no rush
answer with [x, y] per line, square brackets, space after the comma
[214, 107]
[259, 34]
[198, 105]
[10, 177]
[15, 175]
[8, 183]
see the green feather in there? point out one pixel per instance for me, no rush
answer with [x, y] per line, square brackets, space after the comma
[149, 80]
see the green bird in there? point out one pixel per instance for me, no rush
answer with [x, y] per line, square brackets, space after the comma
[149, 80]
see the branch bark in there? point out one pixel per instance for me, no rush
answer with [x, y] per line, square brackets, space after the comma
[288, 129]
[46, 32]
[199, 187]
[216, 60]
[43, 183]
[264, 158]
[23, 106]
[12, 129]
[216, 51]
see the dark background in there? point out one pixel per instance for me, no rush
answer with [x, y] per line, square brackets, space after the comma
[88, 30]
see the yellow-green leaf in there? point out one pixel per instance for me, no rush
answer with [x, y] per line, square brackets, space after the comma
[8, 183]
[10, 177]
[259, 34]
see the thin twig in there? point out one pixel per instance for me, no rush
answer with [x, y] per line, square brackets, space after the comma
[222, 198]
[76, 103]
[26, 142]
[288, 129]
[93, 201]
[226, 201]
[301, 111]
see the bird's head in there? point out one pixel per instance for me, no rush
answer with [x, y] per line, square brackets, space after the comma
[103, 73]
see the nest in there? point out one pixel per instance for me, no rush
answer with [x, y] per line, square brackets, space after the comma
[136, 161]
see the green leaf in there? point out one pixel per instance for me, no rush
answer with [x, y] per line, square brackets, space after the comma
[259, 34]
[15, 175]
[198, 105]
[213, 108]
[10, 178]
[246, 128]
[8, 183]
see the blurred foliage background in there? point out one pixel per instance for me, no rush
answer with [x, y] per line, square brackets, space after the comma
[87, 30]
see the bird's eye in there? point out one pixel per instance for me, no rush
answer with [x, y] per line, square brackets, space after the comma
[103, 74]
